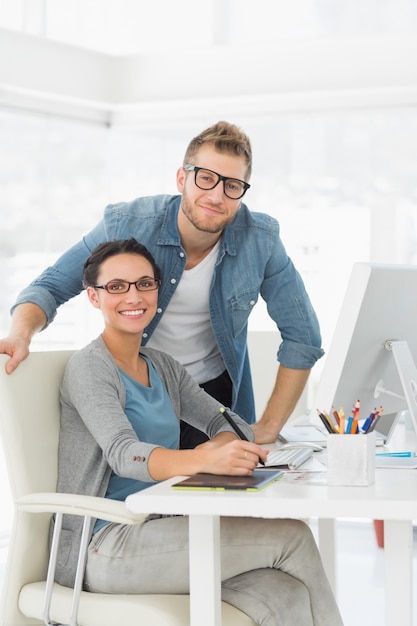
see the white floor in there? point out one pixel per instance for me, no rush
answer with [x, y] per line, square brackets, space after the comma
[360, 572]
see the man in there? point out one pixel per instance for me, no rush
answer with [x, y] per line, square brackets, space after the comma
[216, 258]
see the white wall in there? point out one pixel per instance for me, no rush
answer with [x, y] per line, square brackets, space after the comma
[263, 347]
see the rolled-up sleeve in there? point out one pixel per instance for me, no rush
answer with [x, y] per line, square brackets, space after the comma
[298, 355]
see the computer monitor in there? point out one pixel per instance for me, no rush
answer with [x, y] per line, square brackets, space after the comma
[373, 352]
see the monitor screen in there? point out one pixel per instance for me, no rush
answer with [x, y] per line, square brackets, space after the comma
[380, 306]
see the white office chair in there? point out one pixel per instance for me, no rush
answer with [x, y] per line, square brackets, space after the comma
[29, 423]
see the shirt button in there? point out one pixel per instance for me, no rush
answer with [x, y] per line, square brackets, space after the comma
[252, 302]
[159, 310]
[145, 335]
[182, 254]
[173, 281]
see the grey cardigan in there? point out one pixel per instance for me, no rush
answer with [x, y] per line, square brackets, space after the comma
[96, 437]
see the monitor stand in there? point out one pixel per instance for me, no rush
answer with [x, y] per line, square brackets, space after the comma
[408, 375]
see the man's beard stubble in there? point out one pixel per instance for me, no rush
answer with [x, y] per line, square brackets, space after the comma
[205, 223]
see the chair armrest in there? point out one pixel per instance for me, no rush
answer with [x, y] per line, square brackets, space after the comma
[76, 504]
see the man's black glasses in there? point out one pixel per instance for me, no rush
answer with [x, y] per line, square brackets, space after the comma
[207, 179]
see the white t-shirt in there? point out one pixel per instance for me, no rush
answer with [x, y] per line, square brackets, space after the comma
[185, 330]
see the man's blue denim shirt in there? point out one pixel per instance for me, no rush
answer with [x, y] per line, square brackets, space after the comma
[252, 260]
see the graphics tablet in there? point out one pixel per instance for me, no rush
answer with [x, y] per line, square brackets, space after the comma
[259, 479]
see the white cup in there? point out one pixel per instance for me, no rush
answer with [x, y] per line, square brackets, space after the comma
[351, 459]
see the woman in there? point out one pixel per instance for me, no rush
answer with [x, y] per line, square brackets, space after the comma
[120, 412]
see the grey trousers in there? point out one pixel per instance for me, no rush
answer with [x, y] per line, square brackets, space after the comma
[270, 569]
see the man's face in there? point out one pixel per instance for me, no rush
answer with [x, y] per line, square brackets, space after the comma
[210, 210]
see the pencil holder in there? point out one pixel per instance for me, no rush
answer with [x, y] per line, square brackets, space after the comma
[351, 459]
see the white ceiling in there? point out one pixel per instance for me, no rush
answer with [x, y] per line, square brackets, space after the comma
[63, 57]
[137, 26]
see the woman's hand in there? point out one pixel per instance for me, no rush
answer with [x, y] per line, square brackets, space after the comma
[224, 454]
[231, 457]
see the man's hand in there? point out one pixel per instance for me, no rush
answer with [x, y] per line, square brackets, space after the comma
[17, 349]
[265, 432]
[27, 319]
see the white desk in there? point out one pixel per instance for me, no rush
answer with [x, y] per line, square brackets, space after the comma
[392, 498]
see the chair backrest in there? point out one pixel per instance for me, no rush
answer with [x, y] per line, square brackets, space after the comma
[29, 428]
[29, 416]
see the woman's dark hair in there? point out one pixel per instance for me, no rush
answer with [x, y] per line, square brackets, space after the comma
[113, 248]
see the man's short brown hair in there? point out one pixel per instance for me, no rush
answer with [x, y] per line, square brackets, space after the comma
[224, 137]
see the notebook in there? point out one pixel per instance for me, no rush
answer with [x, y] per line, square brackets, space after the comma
[304, 432]
[258, 480]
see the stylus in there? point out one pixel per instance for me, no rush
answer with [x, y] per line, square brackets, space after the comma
[236, 428]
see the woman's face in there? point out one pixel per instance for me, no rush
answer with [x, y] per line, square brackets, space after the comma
[128, 312]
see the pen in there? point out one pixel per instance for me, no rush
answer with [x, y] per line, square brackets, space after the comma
[397, 454]
[375, 420]
[334, 429]
[333, 426]
[236, 428]
[368, 422]
[327, 425]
